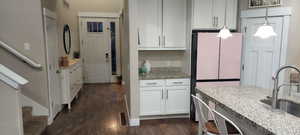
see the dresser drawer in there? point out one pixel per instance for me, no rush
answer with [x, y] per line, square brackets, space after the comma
[152, 83]
[178, 82]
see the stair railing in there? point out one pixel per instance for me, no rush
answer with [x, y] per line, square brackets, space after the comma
[23, 58]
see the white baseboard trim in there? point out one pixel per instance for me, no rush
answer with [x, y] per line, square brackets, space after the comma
[126, 105]
[37, 109]
[165, 117]
[134, 122]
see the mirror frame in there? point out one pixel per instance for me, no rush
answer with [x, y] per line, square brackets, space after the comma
[67, 30]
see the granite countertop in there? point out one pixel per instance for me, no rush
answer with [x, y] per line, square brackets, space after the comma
[164, 73]
[245, 102]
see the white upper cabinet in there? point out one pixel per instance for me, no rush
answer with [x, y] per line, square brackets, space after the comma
[202, 14]
[149, 23]
[174, 23]
[210, 14]
[232, 14]
[162, 24]
[219, 13]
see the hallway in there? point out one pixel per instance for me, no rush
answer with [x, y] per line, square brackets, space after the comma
[97, 112]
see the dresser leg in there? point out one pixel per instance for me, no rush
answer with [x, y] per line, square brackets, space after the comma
[69, 107]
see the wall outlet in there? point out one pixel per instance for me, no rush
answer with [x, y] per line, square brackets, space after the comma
[27, 46]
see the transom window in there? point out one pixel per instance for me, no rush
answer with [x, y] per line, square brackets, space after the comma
[94, 26]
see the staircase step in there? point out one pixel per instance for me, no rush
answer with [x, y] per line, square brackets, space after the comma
[36, 125]
[27, 113]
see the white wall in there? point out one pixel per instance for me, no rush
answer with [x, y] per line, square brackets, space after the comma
[21, 22]
[11, 122]
[133, 61]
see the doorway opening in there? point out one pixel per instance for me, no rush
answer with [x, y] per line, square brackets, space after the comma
[100, 47]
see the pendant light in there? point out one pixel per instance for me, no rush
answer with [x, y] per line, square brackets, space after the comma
[225, 32]
[265, 31]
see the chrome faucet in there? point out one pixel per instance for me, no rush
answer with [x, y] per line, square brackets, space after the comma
[276, 87]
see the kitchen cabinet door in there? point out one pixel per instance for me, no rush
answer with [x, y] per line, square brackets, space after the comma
[230, 57]
[149, 16]
[208, 56]
[232, 13]
[210, 14]
[174, 23]
[177, 100]
[151, 101]
[219, 13]
[203, 14]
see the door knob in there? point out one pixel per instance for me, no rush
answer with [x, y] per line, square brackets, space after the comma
[57, 71]
[106, 55]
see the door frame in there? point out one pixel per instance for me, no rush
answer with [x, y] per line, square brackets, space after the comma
[102, 15]
[285, 13]
[52, 15]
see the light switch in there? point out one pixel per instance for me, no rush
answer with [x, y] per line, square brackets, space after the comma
[27, 46]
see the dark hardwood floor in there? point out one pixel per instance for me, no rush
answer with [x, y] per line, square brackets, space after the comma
[97, 112]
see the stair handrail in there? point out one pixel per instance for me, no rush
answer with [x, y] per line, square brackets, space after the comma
[20, 56]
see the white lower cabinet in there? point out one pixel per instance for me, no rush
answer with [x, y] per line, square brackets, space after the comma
[72, 82]
[177, 100]
[164, 100]
[151, 101]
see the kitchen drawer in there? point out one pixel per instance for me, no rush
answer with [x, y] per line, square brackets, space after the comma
[178, 82]
[152, 83]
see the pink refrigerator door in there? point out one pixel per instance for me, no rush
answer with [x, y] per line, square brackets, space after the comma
[230, 57]
[208, 56]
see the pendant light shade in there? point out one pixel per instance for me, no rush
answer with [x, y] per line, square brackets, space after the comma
[265, 31]
[224, 33]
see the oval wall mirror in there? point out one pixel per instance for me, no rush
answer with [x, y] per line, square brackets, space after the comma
[67, 39]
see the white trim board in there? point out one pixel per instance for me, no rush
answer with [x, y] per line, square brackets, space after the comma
[99, 14]
[132, 122]
[126, 105]
[37, 109]
[11, 78]
[49, 13]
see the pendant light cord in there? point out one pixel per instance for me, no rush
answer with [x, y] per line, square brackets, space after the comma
[267, 14]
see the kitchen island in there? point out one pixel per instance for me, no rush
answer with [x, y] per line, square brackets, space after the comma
[242, 105]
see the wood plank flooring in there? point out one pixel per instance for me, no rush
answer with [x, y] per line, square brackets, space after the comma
[97, 112]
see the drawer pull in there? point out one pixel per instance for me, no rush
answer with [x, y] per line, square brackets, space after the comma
[178, 82]
[167, 94]
[151, 83]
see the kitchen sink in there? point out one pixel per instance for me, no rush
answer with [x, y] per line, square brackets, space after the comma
[285, 105]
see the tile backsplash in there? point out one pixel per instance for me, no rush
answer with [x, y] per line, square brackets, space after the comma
[162, 58]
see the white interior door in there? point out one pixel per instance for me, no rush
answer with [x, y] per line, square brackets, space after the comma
[261, 57]
[51, 33]
[95, 33]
